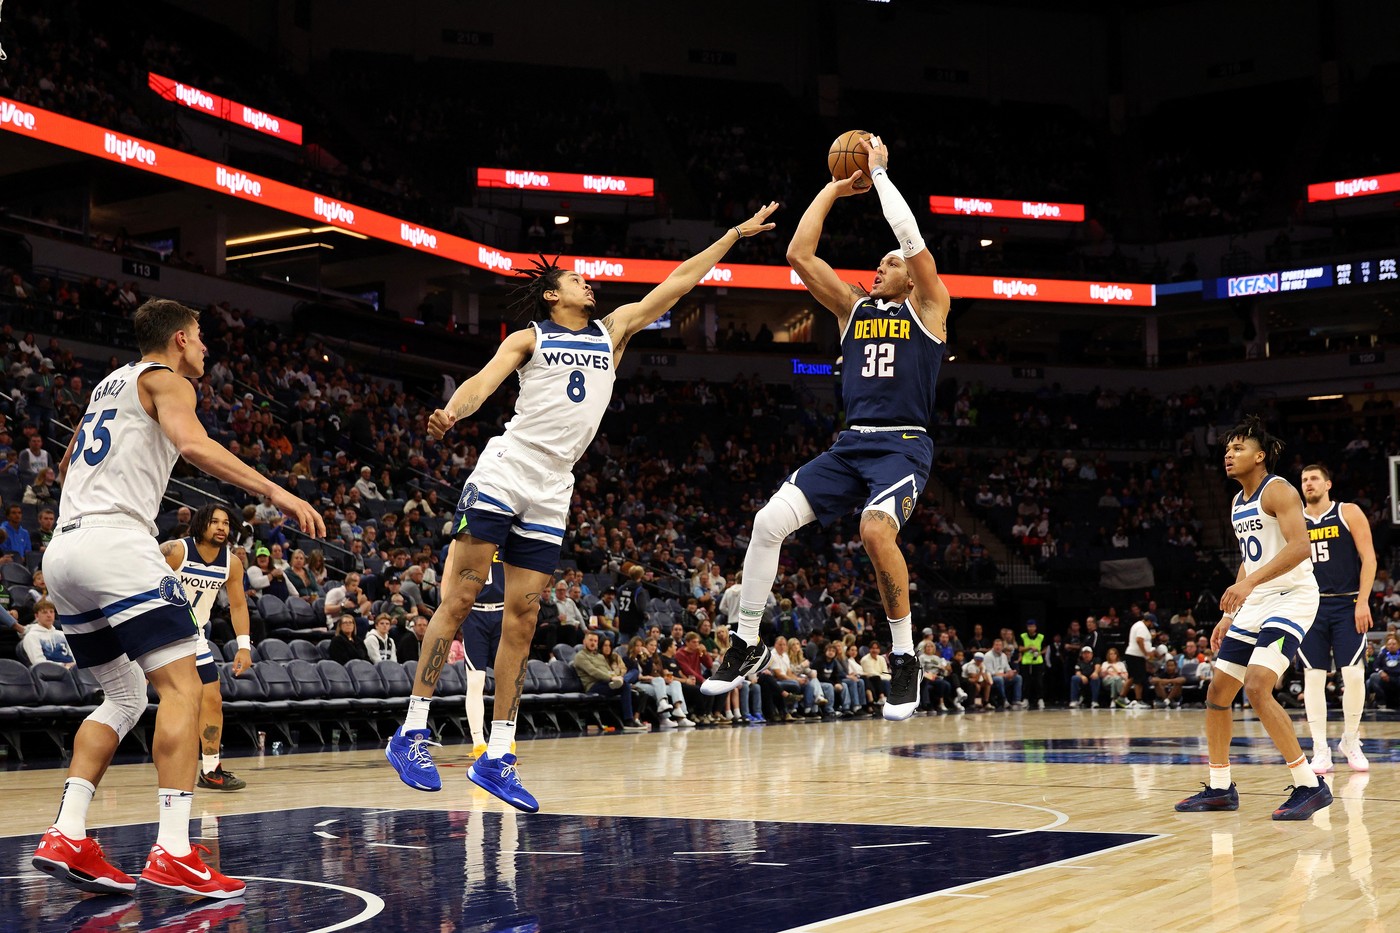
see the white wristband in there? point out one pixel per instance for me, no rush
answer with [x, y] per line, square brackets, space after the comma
[245, 643]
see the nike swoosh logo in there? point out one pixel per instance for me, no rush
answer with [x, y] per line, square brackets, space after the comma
[202, 876]
[70, 845]
[910, 437]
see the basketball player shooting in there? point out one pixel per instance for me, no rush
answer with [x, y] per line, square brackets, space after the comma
[893, 341]
[517, 497]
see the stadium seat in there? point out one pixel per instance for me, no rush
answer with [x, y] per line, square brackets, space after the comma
[274, 649]
[304, 650]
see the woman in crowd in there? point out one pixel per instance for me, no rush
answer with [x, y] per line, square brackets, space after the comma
[788, 688]
[1114, 674]
[345, 644]
[816, 696]
[300, 579]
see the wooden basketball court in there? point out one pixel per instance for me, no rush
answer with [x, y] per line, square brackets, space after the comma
[1054, 820]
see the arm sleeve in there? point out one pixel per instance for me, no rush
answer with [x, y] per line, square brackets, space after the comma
[898, 215]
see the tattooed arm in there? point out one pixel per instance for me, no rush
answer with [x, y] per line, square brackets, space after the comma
[510, 356]
[629, 319]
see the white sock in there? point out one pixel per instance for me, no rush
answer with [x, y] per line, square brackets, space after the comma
[1220, 777]
[210, 762]
[476, 706]
[1315, 703]
[502, 735]
[417, 713]
[72, 810]
[901, 636]
[749, 619]
[1301, 773]
[174, 833]
[1353, 697]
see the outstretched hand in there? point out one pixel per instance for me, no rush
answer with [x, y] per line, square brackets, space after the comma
[877, 154]
[756, 224]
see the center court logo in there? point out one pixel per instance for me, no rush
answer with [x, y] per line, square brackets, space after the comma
[172, 592]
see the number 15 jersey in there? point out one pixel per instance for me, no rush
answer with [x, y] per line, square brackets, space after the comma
[565, 387]
[121, 459]
[890, 363]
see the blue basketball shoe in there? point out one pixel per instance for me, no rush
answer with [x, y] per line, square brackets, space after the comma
[499, 776]
[408, 753]
[1305, 801]
[1210, 798]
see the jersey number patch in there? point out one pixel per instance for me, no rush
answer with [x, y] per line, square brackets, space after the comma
[101, 437]
[1321, 553]
[879, 360]
[576, 389]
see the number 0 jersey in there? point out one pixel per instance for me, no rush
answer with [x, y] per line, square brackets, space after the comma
[121, 458]
[1261, 539]
[202, 581]
[1335, 560]
[565, 387]
[889, 365]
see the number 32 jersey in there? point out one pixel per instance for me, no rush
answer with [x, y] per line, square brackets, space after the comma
[565, 387]
[889, 365]
[121, 459]
[1261, 539]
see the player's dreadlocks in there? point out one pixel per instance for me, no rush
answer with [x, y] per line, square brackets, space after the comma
[528, 298]
[1252, 428]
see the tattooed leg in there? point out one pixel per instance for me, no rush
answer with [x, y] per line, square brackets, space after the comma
[468, 563]
[879, 532]
[524, 589]
[211, 718]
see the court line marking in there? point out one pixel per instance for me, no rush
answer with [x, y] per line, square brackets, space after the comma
[771, 864]
[391, 845]
[327, 822]
[722, 852]
[374, 904]
[538, 852]
[983, 896]
[893, 845]
[953, 891]
[325, 835]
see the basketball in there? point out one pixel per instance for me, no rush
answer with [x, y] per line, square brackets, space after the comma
[846, 157]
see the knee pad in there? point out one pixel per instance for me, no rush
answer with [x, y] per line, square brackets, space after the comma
[786, 512]
[124, 695]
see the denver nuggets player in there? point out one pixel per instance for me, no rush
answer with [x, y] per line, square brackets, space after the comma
[1344, 563]
[517, 497]
[123, 611]
[1267, 613]
[893, 341]
[481, 636]
[205, 566]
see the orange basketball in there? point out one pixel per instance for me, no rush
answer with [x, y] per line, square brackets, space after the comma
[846, 156]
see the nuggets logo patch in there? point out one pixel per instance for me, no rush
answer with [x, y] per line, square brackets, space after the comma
[908, 506]
[172, 592]
[469, 497]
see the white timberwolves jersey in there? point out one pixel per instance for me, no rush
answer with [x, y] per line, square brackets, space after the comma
[1261, 540]
[121, 459]
[202, 581]
[565, 387]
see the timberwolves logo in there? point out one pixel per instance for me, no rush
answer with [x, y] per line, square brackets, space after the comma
[908, 506]
[468, 499]
[172, 592]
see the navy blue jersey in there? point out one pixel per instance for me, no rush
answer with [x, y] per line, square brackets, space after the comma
[1336, 563]
[890, 365]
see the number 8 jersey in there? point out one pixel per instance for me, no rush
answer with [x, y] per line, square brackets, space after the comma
[889, 366]
[121, 458]
[1261, 539]
[565, 387]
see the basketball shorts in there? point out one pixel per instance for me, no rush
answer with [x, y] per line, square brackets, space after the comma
[517, 498]
[867, 469]
[1267, 630]
[116, 595]
[481, 636]
[204, 660]
[1334, 635]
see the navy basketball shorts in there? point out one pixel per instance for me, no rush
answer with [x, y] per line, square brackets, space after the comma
[481, 636]
[1334, 635]
[867, 469]
[517, 498]
[1267, 630]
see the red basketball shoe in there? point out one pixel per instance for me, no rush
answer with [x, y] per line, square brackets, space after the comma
[188, 874]
[80, 862]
